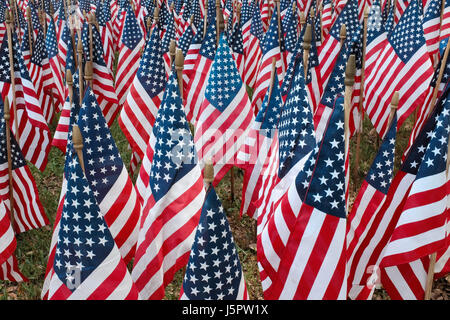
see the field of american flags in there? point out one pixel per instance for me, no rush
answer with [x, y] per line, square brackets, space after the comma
[302, 245]
[32, 246]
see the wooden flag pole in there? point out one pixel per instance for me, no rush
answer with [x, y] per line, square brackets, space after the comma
[361, 95]
[277, 3]
[77, 140]
[80, 66]
[350, 72]
[30, 37]
[69, 81]
[272, 76]
[12, 72]
[394, 106]
[172, 49]
[6, 115]
[179, 66]
[220, 24]
[307, 39]
[208, 174]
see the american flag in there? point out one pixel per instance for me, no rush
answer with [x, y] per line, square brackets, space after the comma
[370, 198]
[402, 66]
[25, 46]
[330, 48]
[252, 39]
[87, 264]
[33, 132]
[272, 47]
[9, 268]
[28, 211]
[62, 129]
[225, 116]
[173, 198]
[144, 98]
[431, 28]
[370, 252]
[185, 40]
[168, 36]
[198, 79]
[237, 46]
[55, 66]
[214, 271]
[335, 87]
[190, 60]
[421, 227]
[313, 261]
[108, 177]
[102, 81]
[130, 45]
[64, 42]
[425, 109]
[291, 35]
[313, 81]
[296, 143]
[41, 76]
[255, 154]
[103, 14]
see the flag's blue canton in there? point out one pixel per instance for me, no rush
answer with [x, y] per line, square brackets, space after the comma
[178, 5]
[132, 33]
[271, 39]
[185, 40]
[442, 46]
[97, 49]
[375, 25]
[269, 114]
[236, 40]
[256, 27]
[407, 37]
[224, 80]
[16, 155]
[292, 70]
[389, 24]
[296, 127]
[85, 5]
[284, 4]
[357, 50]
[335, 84]
[101, 157]
[211, 13]
[291, 30]
[349, 17]
[169, 34]
[84, 240]
[174, 154]
[25, 45]
[36, 25]
[435, 157]
[106, 11]
[61, 13]
[313, 58]
[151, 72]
[19, 63]
[247, 11]
[327, 188]
[52, 46]
[198, 20]
[101, 13]
[317, 30]
[381, 171]
[22, 20]
[187, 11]
[163, 15]
[208, 48]
[417, 151]
[5, 73]
[2, 11]
[70, 63]
[39, 50]
[214, 271]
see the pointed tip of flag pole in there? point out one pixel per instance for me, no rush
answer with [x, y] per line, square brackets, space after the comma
[8, 18]
[172, 48]
[88, 71]
[6, 113]
[302, 18]
[395, 99]
[366, 12]
[156, 15]
[311, 13]
[69, 77]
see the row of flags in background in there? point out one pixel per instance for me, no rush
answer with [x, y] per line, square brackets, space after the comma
[288, 136]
